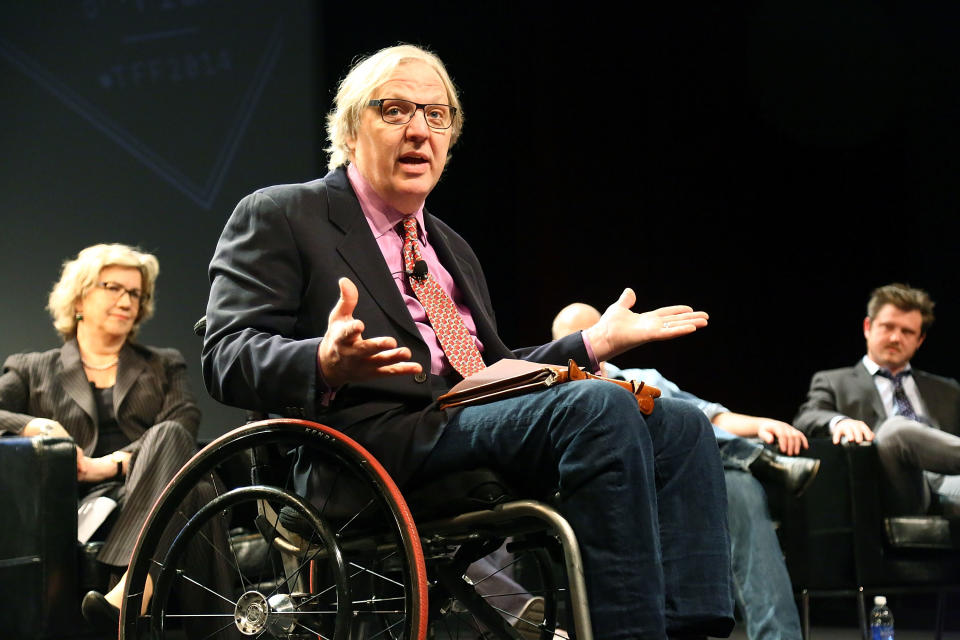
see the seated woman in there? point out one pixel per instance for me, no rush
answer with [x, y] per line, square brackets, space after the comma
[126, 405]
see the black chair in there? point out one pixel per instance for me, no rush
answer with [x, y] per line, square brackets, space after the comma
[838, 543]
[44, 571]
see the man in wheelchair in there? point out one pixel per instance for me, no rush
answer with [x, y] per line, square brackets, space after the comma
[342, 300]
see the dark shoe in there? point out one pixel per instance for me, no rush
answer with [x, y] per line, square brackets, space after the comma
[794, 473]
[102, 616]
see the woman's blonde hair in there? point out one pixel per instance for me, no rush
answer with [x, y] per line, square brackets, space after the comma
[356, 90]
[81, 274]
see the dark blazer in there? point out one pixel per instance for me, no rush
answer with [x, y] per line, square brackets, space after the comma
[151, 389]
[851, 392]
[273, 284]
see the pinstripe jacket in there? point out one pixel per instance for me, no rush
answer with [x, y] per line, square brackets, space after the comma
[151, 389]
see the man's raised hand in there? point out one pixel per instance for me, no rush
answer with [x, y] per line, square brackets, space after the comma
[620, 329]
[345, 356]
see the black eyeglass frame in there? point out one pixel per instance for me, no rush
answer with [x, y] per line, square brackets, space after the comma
[136, 295]
[417, 107]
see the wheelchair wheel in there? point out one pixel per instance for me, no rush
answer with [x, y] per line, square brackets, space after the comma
[232, 551]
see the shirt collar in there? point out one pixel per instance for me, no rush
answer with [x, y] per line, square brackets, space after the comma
[872, 367]
[381, 217]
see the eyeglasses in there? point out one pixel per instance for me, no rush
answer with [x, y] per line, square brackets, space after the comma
[396, 111]
[117, 290]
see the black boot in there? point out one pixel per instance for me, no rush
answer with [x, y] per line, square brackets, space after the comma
[794, 473]
[102, 616]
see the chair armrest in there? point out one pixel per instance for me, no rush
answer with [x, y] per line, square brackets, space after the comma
[38, 540]
[863, 467]
[817, 528]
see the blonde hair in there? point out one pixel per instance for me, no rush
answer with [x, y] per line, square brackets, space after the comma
[356, 90]
[80, 274]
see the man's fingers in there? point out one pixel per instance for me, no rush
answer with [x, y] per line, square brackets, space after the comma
[676, 310]
[348, 332]
[680, 320]
[383, 357]
[400, 368]
[792, 446]
[347, 301]
[627, 299]
[368, 347]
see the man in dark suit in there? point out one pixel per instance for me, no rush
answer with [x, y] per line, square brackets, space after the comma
[912, 416]
[645, 495]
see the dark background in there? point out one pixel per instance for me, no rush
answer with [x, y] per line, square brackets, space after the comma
[769, 163]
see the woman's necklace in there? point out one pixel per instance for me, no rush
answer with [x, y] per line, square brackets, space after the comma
[102, 367]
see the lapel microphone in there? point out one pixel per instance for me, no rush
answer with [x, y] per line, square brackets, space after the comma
[420, 270]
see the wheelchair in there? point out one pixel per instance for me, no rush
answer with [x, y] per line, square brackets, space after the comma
[256, 559]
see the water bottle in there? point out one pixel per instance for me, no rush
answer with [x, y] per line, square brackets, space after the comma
[881, 620]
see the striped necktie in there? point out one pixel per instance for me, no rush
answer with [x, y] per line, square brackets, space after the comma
[902, 405]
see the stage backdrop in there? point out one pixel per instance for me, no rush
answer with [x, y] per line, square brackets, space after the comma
[770, 164]
[144, 123]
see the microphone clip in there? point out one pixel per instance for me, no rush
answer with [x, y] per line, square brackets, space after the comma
[419, 272]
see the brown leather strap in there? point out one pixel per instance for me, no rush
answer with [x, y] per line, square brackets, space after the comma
[644, 393]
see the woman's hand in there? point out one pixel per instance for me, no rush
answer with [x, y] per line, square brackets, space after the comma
[45, 427]
[99, 469]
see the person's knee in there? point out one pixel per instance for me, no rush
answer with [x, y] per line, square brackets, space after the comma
[603, 418]
[685, 423]
[895, 433]
[172, 434]
[606, 406]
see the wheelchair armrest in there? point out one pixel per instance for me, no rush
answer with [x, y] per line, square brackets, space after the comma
[458, 492]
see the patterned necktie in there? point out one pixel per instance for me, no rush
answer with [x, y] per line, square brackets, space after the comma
[454, 337]
[902, 406]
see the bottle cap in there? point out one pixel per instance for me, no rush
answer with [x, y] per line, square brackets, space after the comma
[880, 600]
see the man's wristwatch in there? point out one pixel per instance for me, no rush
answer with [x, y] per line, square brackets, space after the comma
[117, 457]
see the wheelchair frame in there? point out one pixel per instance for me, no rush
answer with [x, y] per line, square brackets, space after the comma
[323, 551]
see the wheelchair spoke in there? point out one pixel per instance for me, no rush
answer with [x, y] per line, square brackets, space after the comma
[224, 523]
[220, 630]
[216, 549]
[331, 567]
[342, 529]
[181, 574]
[309, 630]
[389, 629]
[374, 574]
[299, 569]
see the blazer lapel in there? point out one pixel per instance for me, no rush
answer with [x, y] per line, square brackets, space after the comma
[74, 380]
[129, 368]
[869, 390]
[466, 279]
[930, 397]
[361, 252]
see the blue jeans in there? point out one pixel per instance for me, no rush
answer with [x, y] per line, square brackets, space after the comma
[644, 495]
[761, 583]
[736, 452]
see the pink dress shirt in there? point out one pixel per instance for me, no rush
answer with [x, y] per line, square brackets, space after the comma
[383, 220]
